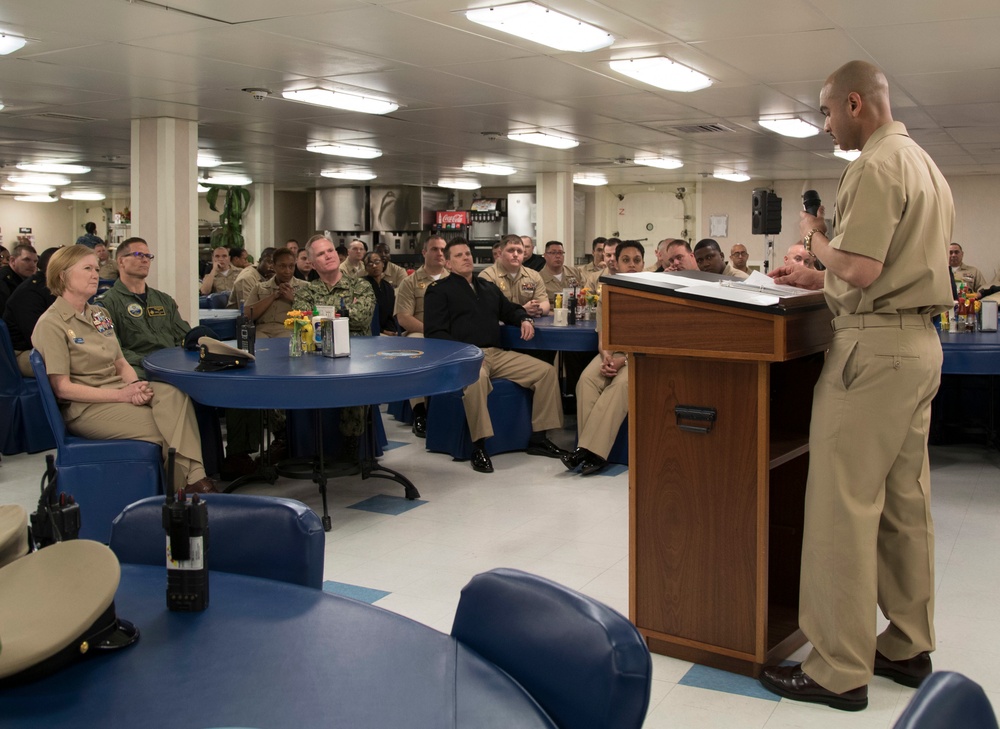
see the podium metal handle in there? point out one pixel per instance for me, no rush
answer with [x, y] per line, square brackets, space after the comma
[693, 412]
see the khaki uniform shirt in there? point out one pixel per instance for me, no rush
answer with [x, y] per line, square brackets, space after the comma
[395, 275]
[730, 271]
[410, 294]
[224, 281]
[358, 296]
[876, 217]
[571, 278]
[247, 280]
[589, 269]
[526, 286]
[351, 270]
[82, 346]
[970, 276]
[271, 324]
[109, 269]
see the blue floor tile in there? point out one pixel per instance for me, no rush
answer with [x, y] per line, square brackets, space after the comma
[363, 594]
[613, 470]
[393, 444]
[392, 505]
[730, 683]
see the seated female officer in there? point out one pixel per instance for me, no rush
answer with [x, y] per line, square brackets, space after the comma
[98, 390]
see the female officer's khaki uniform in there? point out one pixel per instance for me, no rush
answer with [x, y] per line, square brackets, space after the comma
[84, 346]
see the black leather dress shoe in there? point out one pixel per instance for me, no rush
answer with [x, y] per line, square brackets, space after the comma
[480, 461]
[545, 447]
[592, 464]
[420, 426]
[910, 672]
[791, 682]
[574, 459]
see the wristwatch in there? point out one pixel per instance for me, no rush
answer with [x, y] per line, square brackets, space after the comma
[807, 241]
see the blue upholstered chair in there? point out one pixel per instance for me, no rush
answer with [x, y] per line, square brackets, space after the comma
[619, 451]
[260, 536]
[585, 664]
[947, 700]
[218, 300]
[102, 475]
[22, 423]
[204, 302]
[510, 410]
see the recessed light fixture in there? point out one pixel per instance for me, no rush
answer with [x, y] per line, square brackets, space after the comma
[207, 159]
[349, 174]
[1, 106]
[488, 169]
[82, 195]
[794, 127]
[346, 150]
[664, 163]
[35, 198]
[203, 188]
[233, 180]
[533, 22]
[587, 178]
[341, 100]
[10, 43]
[543, 140]
[58, 168]
[731, 176]
[38, 178]
[460, 184]
[662, 73]
[849, 156]
[26, 188]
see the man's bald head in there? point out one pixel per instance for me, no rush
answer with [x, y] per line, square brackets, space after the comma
[862, 77]
[855, 102]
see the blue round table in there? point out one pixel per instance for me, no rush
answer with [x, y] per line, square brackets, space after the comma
[581, 337]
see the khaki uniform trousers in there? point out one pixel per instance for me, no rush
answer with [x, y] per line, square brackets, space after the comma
[601, 407]
[546, 405]
[24, 364]
[168, 421]
[868, 536]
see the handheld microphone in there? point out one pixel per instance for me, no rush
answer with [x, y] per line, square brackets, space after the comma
[186, 523]
[811, 202]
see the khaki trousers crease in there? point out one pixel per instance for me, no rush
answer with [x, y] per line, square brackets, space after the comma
[601, 407]
[540, 377]
[168, 420]
[868, 538]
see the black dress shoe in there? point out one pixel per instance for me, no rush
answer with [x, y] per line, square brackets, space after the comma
[592, 464]
[574, 459]
[420, 426]
[910, 672]
[791, 682]
[480, 461]
[545, 447]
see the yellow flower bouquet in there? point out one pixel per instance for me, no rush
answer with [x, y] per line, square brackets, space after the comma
[302, 332]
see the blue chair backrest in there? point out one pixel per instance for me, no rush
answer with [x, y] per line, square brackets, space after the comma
[218, 300]
[947, 700]
[585, 664]
[49, 403]
[261, 536]
[11, 384]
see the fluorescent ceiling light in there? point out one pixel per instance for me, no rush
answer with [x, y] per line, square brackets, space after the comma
[1, 106]
[662, 73]
[207, 159]
[664, 163]
[341, 100]
[796, 127]
[487, 169]
[35, 198]
[203, 188]
[541, 25]
[460, 184]
[10, 43]
[349, 174]
[82, 195]
[849, 156]
[346, 150]
[58, 168]
[543, 140]
[25, 188]
[233, 180]
[732, 176]
[589, 179]
[36, 178]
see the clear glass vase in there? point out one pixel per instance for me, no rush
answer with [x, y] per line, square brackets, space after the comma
[295, 342]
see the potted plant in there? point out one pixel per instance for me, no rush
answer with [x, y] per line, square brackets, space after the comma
[230, 230]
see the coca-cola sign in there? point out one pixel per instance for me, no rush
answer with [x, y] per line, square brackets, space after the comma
[452, 218]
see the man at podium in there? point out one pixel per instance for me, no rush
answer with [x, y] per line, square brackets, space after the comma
[867, 534]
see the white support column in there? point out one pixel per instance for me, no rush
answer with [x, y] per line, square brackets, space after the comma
[554, 206]
[258, 222]
[165, 205]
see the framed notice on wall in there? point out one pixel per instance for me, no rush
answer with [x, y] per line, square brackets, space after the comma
[718, 226]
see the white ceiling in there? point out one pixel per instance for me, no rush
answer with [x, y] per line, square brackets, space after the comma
[109, 61]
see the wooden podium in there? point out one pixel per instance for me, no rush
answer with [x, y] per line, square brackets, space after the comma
[719, 405]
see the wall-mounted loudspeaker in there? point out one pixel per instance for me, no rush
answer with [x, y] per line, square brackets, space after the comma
[765, 211]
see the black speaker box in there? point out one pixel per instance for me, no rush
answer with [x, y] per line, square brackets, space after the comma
[765, 212]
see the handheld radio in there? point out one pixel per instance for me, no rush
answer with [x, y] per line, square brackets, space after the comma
[186, 523]
[57, 519]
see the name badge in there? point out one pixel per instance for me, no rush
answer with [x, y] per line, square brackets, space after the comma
[156, 311]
